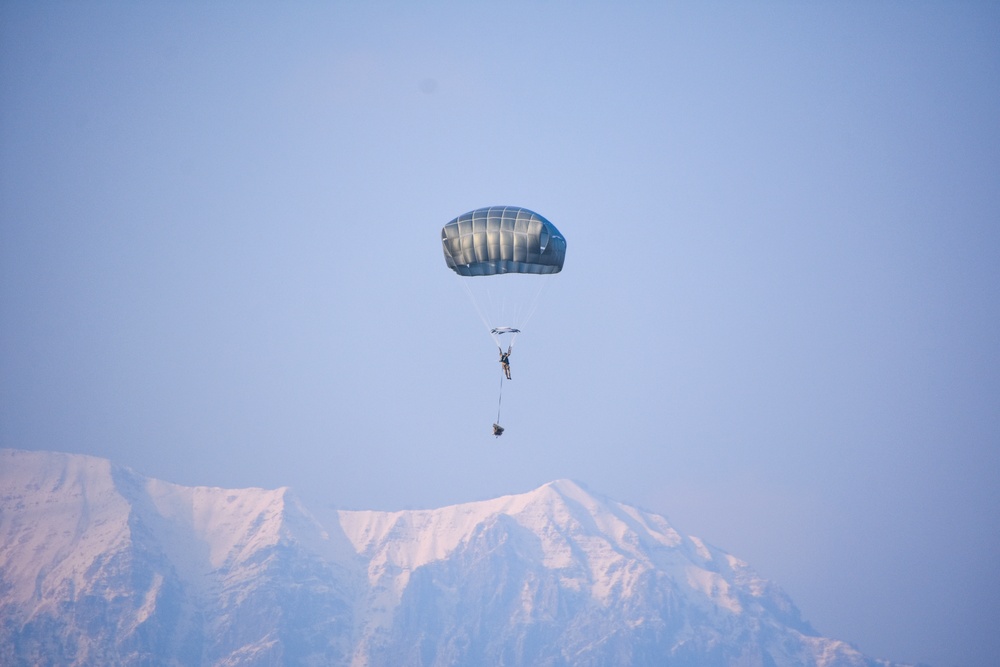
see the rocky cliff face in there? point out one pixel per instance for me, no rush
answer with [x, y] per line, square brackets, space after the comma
[101, 566]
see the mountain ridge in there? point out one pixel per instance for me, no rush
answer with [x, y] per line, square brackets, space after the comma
[101, 565]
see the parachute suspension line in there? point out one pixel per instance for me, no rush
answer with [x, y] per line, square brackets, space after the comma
[536, 301]
[493, 305]
[496, 308]
[479, 311]
[527, 312]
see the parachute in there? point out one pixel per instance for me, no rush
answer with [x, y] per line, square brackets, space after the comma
[502, 239]
[504, 257]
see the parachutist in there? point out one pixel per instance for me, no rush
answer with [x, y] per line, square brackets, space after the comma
[505, 361]
[493, 241]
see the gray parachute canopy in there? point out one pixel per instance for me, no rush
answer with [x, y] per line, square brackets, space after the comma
[502, 239]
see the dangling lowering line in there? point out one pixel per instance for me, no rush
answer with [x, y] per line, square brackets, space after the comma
[497, 428]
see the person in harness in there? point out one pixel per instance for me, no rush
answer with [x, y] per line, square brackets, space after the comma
[505, 361]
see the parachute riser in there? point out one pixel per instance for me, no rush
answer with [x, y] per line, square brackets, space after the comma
[504, 339]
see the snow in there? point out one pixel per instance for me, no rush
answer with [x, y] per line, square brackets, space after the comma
[700, 548]
[570, 522]
[227, 522]
[411, 539]
[149, 600]
[714, 587]
[64, 518]
[67, 515]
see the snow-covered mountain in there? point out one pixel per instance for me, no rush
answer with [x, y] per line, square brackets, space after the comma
[101, 566]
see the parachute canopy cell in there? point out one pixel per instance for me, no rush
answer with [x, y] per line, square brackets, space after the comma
[502, 239]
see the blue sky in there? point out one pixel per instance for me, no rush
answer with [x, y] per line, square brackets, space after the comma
[778, 323]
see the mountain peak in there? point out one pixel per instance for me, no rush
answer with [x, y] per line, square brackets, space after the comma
[570, 490]
[567, 486]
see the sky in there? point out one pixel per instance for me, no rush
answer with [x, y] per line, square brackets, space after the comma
[778, 324]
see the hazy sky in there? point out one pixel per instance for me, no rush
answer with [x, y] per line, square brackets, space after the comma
[778, 323]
